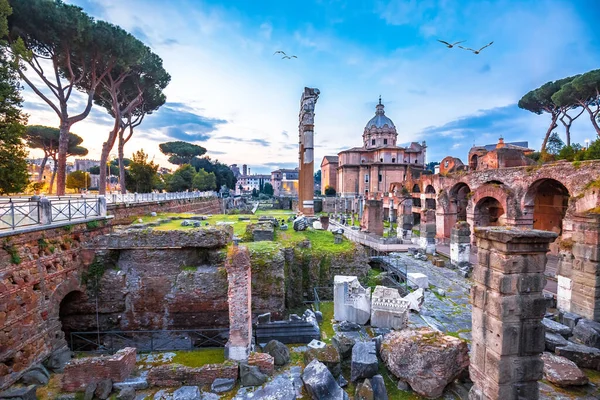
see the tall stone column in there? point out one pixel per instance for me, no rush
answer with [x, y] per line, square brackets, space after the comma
[579, 267]
[239, 295]
[508, 307]
[306, 160]
[460, 246]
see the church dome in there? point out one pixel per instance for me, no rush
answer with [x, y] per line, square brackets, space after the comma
[380, 119]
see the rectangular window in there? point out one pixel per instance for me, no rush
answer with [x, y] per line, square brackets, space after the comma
[380, 177]
[384, 141]
[367, 178]
[373, 141]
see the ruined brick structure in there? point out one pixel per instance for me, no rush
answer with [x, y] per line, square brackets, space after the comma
[37, 271]
[126, 213]
[372, 219]
[80, 372]
[508, 307]
[239, 297]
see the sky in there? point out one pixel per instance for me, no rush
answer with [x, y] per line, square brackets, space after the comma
[230, 94]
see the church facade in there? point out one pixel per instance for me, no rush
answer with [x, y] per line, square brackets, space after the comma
[379, 164]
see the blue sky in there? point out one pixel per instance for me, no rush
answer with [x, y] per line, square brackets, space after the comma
[230, 94]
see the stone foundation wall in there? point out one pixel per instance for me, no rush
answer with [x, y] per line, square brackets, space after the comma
[173, 375]
[37, 270]
[80, 372]
[126, 213]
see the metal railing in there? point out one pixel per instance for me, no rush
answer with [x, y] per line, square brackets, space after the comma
[20, 213]
[128, 198]
[23, 212]
[148, 341]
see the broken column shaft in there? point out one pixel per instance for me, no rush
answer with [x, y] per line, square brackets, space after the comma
[508, 307]
[240, 303]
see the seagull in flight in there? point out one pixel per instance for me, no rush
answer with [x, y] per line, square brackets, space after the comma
[476, 51]
[450, 45]
[284, 55]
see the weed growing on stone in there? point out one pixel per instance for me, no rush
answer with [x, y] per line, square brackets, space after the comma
[92, 224]
[12, 251]
[326, 308]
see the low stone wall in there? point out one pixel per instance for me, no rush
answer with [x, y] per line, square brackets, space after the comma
[37, 270]
[127, 213]
[173, 375]
[80, 372]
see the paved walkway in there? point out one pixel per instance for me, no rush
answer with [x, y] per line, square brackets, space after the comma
[551, 266]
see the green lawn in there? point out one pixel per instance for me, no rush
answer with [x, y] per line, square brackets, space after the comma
[200, 357]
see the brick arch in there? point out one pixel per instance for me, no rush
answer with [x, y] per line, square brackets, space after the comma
[502, 193]
[430, 189]
[71, 284]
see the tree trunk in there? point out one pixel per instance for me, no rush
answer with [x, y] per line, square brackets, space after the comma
[549, 131]
[63, 147]
[106, 148]
[42, 166]
[121, 165]
[54, 176]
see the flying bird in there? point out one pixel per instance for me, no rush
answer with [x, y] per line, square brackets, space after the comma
[450, 45]
[476, 51]
[284, 55]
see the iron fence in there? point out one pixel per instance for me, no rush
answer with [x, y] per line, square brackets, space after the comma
[19, 213]
[147, 341]
[22, 212]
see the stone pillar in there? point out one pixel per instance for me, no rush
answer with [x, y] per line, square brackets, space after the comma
[579, 267]
[45, 211]
[427, 239]
[508, 307]
[406, 219]
[460, 246]
[306, 186]
[239, 295]
[102, 206]
[372, 220]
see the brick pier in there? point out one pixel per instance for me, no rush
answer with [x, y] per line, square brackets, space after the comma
[240, 303]
[508, 307]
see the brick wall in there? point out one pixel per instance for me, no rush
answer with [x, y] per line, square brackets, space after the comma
[173, 375]
[82, 371]
[126, 213]
[37, 270]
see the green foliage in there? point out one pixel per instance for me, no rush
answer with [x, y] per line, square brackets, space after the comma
[95, 170]
[142, 174]
[91, 277]
[224, 174]
[582, 90]
[535, 156]
[181, 152]
[254, 193]
[68, 228]
[79, 180]
[42, 244]
[92, 224]
[12, 251]
[317, 177]
[182, 179]
[204, 180]
[46, 138]
[593, 151]
[554, 144]
[13, 165]
[329, 191]
[268, 189]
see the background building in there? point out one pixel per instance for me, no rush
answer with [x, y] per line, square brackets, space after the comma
[378, 164]
[82, 164]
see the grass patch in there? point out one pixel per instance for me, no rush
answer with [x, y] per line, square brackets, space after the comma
[189, 268]
[392, 386]
[373, 277]
[200, 357]
[326, 308]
